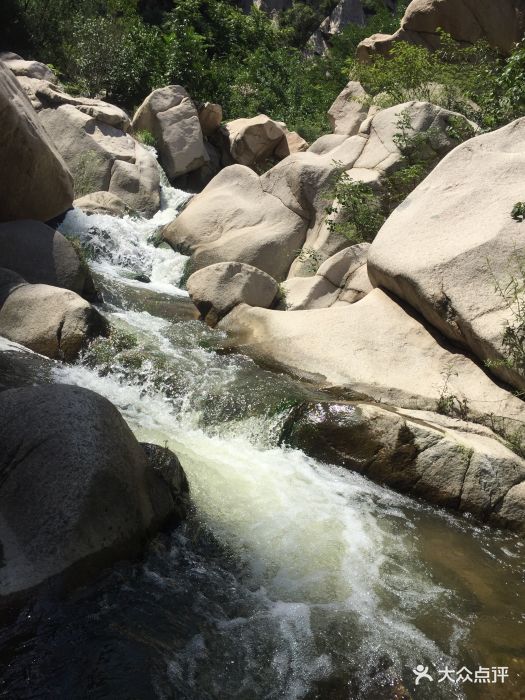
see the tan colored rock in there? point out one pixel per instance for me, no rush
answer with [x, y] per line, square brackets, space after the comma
[373, 347]
[104, 158]
[349, 109]
[51, 321]
[27, 69]
[502, 24]
[34, 179]
[446, 461]
[340, 278]
[234, 219]
[292, 143]
[253, 140]
[101, 203]
[325, 144]
[170, 115]
[445, 248]
[217, 289]
[210, 117]
[42, 255]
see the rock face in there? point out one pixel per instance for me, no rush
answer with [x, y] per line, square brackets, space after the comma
[170, 115]
[372, 347]
[35, 181]
[342, 279]
[234, 220]
[449, 245]
[346, 12]
[210, 118]
[103, 157]
[51, 321]
[502, 24]
[27, 69]
[253, 141]
[446, 461]
[101, 203]
[42, 255]
[349, 109]
[78, 491]
[216, 289]
[262, 221]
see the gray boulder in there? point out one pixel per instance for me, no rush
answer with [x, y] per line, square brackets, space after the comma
[216, 289]
[78, 492]
[42, 255]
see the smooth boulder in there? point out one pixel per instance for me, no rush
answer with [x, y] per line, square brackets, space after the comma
[234, 220]
[376, 349]
[253, 141]
[452, 247]
[35, 182]
[349, 109]
[78, 491]
[216, 289]
[170, 115]
[54, 322]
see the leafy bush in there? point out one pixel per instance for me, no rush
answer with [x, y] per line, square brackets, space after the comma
[357, 214]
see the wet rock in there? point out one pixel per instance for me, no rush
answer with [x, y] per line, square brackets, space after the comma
[78, 492]
[445, 461]
[172, 493]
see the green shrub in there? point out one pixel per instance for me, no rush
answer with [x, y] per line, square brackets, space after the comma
[358, 215]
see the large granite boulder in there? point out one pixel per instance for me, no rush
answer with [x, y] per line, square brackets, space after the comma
[253, 141]
[35, 181]
[103, 157]
[27, 69]
[375, 348]
[453, 246]
[500, 23]
[444, 460]
[51, 321]
[42, 255]
[216, 289]
[234, 220]
[78, 492]
[170, 115]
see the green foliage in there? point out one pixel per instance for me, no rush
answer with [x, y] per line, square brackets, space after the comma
[512, 292]
[448, 404]
[311, 259]
[518, 211]
[146, 137]
[357, 213]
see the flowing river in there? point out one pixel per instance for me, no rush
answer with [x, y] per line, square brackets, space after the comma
[291, 578]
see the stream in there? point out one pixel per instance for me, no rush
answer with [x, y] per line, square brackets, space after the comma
[291, 578]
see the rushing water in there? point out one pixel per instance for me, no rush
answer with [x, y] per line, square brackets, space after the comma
[291, 578]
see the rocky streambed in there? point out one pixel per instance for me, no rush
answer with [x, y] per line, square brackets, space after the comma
[292, 577]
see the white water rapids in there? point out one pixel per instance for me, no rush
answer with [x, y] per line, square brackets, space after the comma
[337, 581]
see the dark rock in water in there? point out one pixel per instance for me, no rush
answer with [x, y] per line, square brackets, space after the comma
[77, 491]
[141, 277]
[166, 465]
[21, 367]
[42, 255]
